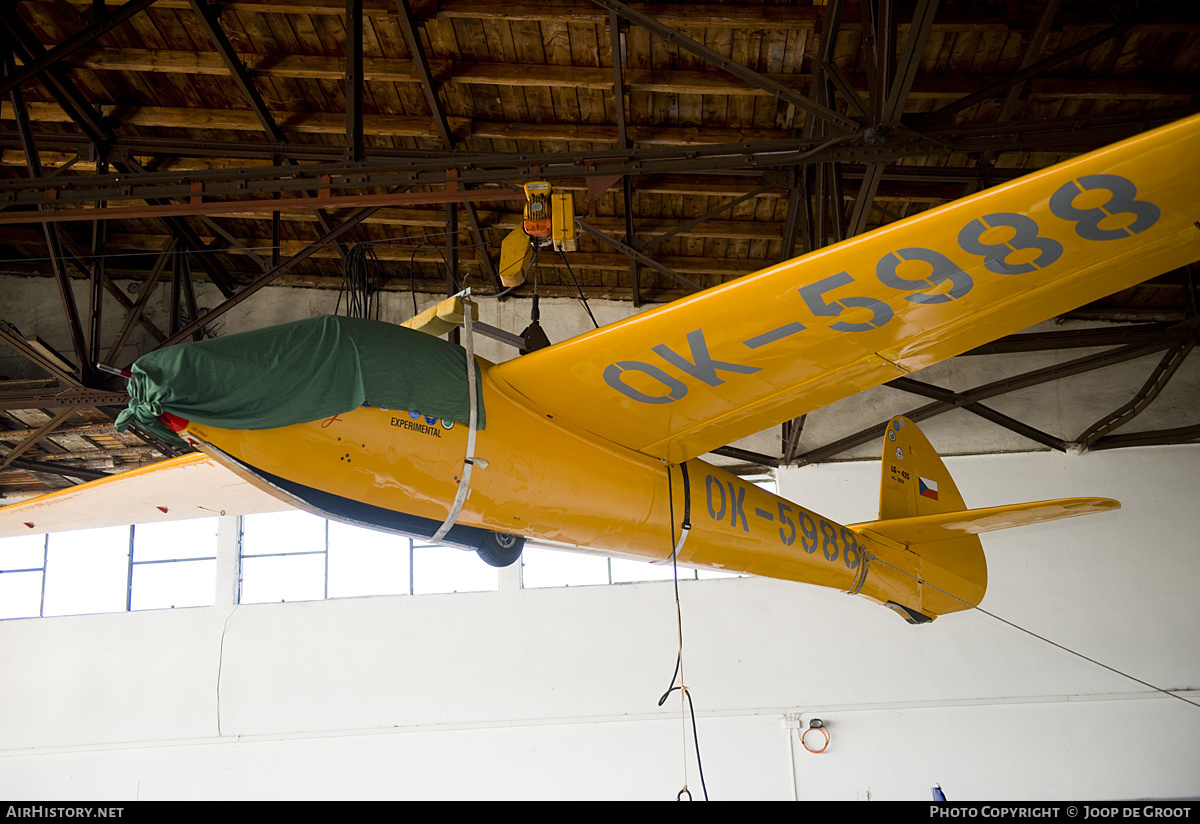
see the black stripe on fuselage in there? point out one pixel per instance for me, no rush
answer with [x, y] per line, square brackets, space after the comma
[362, 514]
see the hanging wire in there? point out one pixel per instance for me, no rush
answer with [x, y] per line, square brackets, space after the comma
[578, 288]
[877, 560]
[360, 283]
[678, 675]
[412, 278]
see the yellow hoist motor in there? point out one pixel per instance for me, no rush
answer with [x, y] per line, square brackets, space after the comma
[549, 219]
[538, 222]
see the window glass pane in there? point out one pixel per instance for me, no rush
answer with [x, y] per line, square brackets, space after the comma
[23, 552]
[20, 594]
[624, 571]
[87, 571]
[448, 569]
[283, 578]
[366, 562]
[175, 539]
[277, 532]
[174, 584]
[558, 568]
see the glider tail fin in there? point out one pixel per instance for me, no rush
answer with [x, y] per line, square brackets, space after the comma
[926, 556]
[934, 571]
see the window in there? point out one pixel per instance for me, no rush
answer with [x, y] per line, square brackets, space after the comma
[295, 556]
[367, 562]
[22, 565]
[446, 569]
[110, 569]
[283, 558]
[174, 564]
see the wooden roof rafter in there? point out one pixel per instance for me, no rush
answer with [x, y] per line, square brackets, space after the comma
[719, 174]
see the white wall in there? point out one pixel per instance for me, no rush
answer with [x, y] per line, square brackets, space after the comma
[553, 693]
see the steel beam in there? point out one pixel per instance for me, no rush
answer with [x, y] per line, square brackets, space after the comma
[636, 255]
[207, 16]
[1033, 49]
[746, 455]
[617, 42]
[1182, 434]
[161, 208]
[797, 199]
[842, 83]
[11, 336]
[892, 90]
[1165, 333]
[74, 255]
[1157, 381]
[58, 469]
[943, 116]
[836, 122]
[25, 445]
[53, 246]
[60, 86]
[355, 146]
[96, 281]
[452, 284]
[980, 393]
[635, 278]
[74, 398]
[429, 87]
[985, 412]
[865, 199]
[73, 43]
[168, 211]
[245, 83]
[683, 227]
[135, 312]
[1064, 135]
[330, 236]
[910, 60]
[235, 243]
[791, 438]
[412, 38]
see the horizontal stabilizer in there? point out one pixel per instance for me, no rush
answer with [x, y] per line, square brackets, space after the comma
[945, 525]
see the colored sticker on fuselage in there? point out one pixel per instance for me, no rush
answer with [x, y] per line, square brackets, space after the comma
[415, 424]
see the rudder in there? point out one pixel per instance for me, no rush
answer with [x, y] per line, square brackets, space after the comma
[947, 575]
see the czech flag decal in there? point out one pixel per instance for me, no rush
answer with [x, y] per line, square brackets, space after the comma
[927, 488]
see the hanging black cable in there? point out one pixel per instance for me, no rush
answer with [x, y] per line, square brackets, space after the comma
[677, 676]
[412, 278]
[535, 337]
[360, 283]
[977, 608]
[578, 288]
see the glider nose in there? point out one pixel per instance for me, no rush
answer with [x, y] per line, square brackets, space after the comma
[176, 423]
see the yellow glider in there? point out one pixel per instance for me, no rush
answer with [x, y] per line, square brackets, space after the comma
[593, 442]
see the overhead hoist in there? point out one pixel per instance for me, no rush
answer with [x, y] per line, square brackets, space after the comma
[548, 221]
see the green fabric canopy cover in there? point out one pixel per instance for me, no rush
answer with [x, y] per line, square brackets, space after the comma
[296, 372]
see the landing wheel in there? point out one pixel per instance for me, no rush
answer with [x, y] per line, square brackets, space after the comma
[500, 550]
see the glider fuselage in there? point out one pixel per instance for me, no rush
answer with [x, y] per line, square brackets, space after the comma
[543, 480]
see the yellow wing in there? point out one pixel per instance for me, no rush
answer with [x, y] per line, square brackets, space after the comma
[192, 486]
[723, 364]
